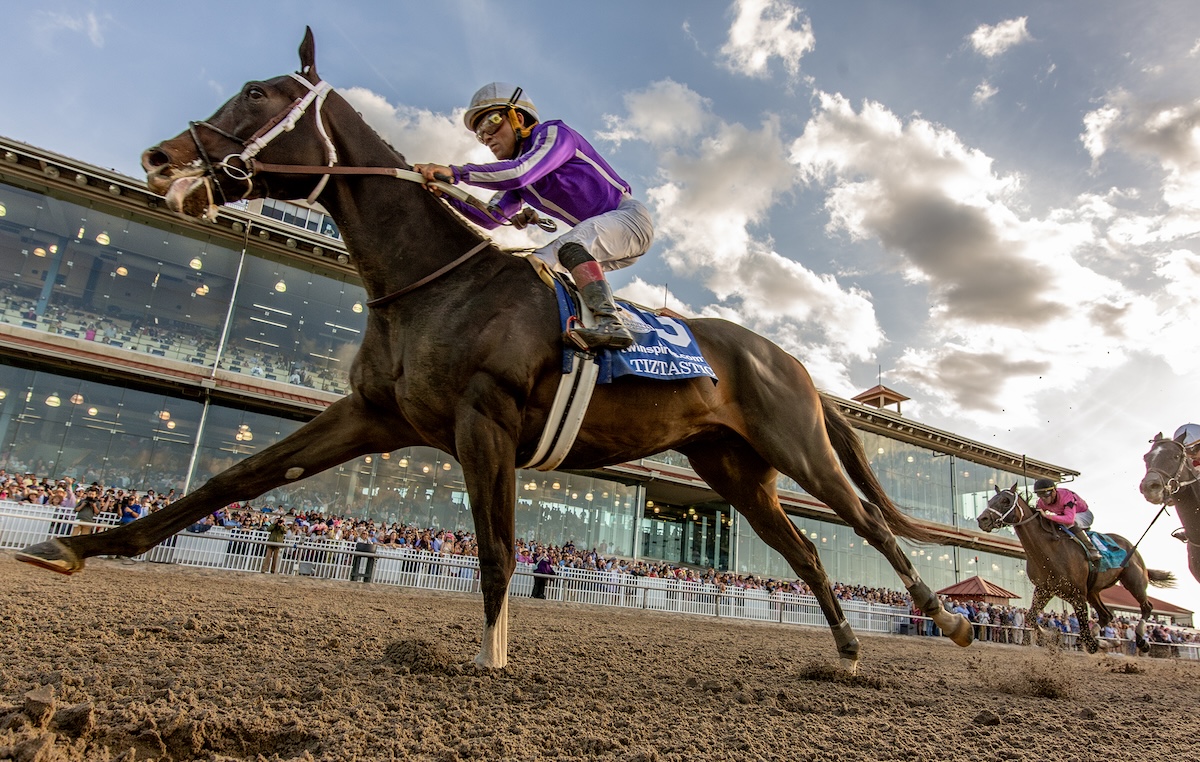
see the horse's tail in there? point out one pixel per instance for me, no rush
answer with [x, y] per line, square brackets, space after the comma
[850, 451]
[1160, 578]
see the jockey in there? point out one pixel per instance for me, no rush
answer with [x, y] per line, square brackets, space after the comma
[1063, 506]
[1189, 436]
[554, 169]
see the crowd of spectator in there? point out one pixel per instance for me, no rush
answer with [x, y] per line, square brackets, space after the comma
[91, 501]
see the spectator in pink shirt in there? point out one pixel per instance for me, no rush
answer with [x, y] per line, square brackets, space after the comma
[1065, 507]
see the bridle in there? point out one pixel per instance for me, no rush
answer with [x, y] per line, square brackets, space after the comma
[1171, 482]
[282, 122]
[1003, 518]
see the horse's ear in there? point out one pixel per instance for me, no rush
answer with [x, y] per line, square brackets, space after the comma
[1157, 437]
[1181, 436]
[308, 53]
[997, 488]
[1013, 489]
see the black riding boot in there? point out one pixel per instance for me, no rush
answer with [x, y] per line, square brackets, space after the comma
[1081, 535]
[609, 332]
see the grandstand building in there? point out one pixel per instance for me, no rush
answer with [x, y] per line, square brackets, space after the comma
[144, 349]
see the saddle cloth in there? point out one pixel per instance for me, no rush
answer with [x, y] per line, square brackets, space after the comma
[663, 347]
[1112, 555]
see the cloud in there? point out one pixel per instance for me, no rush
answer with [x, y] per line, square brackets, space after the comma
[766, 29]
[664, 114]
[1014, 306]
[1168, 133]
[983, 92]
[715, 183]
[991, 41]
[89, 24]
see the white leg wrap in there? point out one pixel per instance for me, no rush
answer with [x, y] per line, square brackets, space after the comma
[493, 650]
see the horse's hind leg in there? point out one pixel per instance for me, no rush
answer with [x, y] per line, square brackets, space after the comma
[743, 478]
[788, 428]
[344, 430]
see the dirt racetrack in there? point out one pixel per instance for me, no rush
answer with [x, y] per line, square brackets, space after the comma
[140, 661]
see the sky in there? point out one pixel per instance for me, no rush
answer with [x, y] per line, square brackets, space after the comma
[992, 207]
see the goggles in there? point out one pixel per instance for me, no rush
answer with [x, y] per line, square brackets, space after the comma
[489, 124]
[1044, 492]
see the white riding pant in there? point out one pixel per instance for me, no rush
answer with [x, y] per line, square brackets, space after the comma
[615, 239]
[1083, 519]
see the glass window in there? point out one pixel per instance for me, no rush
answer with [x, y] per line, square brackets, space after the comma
[917, 479]
[57, 426]
[95, 275]
[593, 513]
[295, 326]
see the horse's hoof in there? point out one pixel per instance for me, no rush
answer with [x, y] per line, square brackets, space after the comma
[1144, 647]
[963, 633]
[1091, 646]
[52, 555]
[850, 666]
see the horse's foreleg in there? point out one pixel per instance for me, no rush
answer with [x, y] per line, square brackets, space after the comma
[1079, 602]
[344, 430]
[1193, 547]
[487, 453]
[743, 478]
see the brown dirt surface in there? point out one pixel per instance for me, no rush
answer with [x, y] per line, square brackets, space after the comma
[137, 662]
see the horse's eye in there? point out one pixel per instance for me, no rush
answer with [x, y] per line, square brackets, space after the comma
[255, 94]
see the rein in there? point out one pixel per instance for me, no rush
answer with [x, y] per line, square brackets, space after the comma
[285, 121]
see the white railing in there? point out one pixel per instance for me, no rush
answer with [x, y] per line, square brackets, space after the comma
[247, 550]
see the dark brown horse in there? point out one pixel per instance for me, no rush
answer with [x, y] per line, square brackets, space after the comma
[1171, 479]
[469, 363]
[1057, 565]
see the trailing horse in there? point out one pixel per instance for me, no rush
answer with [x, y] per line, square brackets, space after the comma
[462, 352]
[1171, 479]
[1057, 565]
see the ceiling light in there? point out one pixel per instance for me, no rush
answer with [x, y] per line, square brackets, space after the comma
[81, 179]
[3, 210]
[170, 424]
[196, 263]
[357, 307]
[39, 252]
[403, 462]
[122, 271]
[103, 239]
[281, 286]
[53, 400]
[77, 398]
[93, 411]
[445, 466]
[424, 469]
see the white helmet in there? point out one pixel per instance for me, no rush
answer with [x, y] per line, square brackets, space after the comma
[1190, 433]
[497, 94]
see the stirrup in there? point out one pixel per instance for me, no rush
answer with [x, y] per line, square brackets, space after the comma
[609, 333]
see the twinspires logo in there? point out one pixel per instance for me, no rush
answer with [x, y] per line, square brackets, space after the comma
[663, 348]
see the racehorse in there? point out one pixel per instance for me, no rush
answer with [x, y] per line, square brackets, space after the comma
[462, 352]
[1172, 480]
[1057, 565]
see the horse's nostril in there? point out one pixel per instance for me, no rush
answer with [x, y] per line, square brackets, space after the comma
[154, 158]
